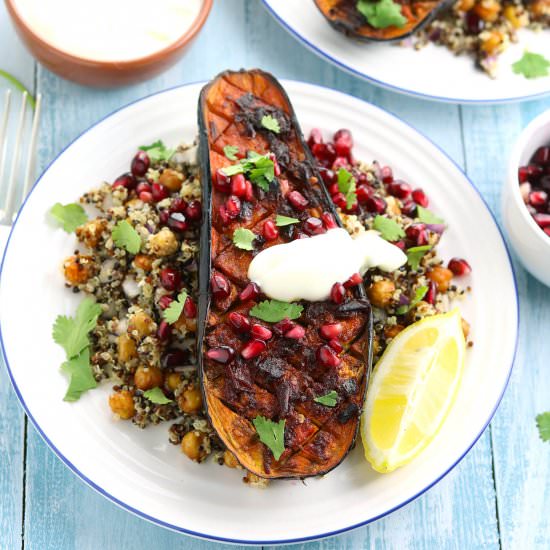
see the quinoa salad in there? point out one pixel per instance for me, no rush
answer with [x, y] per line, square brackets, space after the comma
[143, 343]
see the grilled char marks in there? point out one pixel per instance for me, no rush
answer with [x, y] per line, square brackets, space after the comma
[281, 377]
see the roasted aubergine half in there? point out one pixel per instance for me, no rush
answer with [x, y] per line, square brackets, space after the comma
[282, 399]
[380, 20]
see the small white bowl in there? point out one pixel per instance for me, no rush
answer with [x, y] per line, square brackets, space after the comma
[529, 241]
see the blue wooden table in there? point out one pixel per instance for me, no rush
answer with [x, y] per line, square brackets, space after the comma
[498, 497]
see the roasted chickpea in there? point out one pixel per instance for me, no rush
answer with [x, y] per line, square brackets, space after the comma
[190, 325]
[147, 378]
[492, 42]
[391, 331]
[163, 243]
[142, 324]
[380, 293]
[465, 5]
[230, 460]
[192, 445]
[488, 10]
[90, 233]
[78, 269]
[171, 179]
[190, 400]
[392, 206]
[173, 380]
[122, 404]
[512, 14]
[539, 8]
[441, 276]
[126, 348]
[144, 262]
[465, 328]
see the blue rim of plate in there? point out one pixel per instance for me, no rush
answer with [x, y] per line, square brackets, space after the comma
[206, 536]
[354, 72]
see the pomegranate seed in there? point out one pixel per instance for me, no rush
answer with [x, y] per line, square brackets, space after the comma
[269, 230]
[409, 208]
[164, 331]
[533, 172]
[284, 326]
[276, 167]
[336, 346]
[328, 220]
[314, 226]
[343, 143]
[159, 192]
[315, 136]
[146, 196]
[431, 294]
[178, 205]
[260, 332]
[249, 195]
[352, 208]
[221, 182]
[297, 200]
[177, 222]
[190, 308]
[547, 231]
[220, 286]
[523, 174]
[544, 183]
[542, 156]
[125, 180]
[324, 152]
[328, 176]
[400, 244]
[296, 333]
[174, 357]
[340, 200]
[240, 322]
[233, 206]
[194, 210]
[223, 354]
[474, 23]
[252, 349]
[140, 164]
[238, 185]
[334, 189]
[420, 198]
[376, 205]
[386, 174]
[400, 189]
[170, 278]
[327, 357]
[538, 198]
[459, 266]
[163, 216]
[340, 162]
[224, 216]
[417, 233]
[354, 280]
[250, 292]
[543, 220]
[364, 192]
[337, 293]
[143, 187]
[331, 330]
[165, 301]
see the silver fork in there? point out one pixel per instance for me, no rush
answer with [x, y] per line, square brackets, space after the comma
[8, 187]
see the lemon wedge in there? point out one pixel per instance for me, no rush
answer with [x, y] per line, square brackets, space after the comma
[412, 389]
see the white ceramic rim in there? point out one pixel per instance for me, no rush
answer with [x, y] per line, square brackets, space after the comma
[321, 52]
[316, 536]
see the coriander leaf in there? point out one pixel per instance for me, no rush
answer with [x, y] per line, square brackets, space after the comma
[271, 123]
[263, 172]
[543, 424]
[346, 185]
[156, 395]
[230, 151]
[329, 400]
[233, 169]
[243, 238]
[69, 216]
[419, 293]
[71, 333]
[80, 373]
[532, 65]
[157, 151]
[173, 312]
[125, 236]
[388, 228]
[424, 215]
[415, 254]
[274, 311]
[381, 14]
[272, 434]
[281, 221]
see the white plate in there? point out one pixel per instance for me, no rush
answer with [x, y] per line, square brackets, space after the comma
[139, 469]
[433, 73]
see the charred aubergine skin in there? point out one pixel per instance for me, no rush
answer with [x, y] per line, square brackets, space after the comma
[344, 16]
[281, 381]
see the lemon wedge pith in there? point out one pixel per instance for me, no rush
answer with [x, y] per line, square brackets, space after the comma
[412, 389]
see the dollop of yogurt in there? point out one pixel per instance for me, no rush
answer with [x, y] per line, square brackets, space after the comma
[306, 269]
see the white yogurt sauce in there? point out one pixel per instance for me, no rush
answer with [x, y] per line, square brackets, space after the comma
[109, 30]
[306, 269]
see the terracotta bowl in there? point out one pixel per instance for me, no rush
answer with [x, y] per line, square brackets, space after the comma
[106, 73]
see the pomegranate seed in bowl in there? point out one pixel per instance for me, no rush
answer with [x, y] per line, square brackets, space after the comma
[459, 267]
